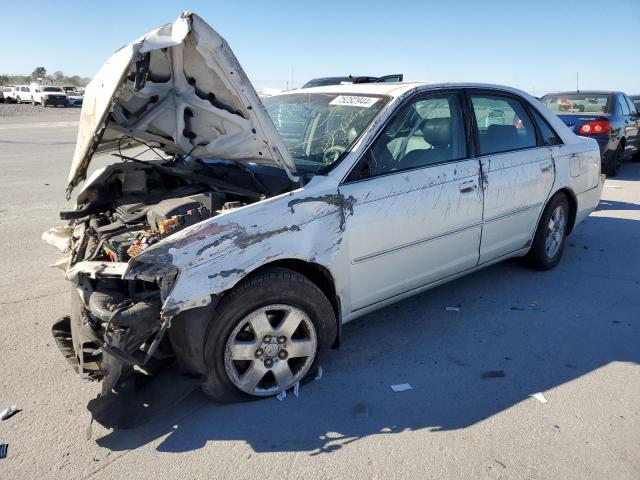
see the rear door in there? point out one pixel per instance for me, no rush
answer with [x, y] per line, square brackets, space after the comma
[517, 172]
[416, 203]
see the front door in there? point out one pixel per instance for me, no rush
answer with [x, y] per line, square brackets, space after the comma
[416, 203]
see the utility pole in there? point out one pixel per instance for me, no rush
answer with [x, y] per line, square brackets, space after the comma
[577, 83]
[292, 77]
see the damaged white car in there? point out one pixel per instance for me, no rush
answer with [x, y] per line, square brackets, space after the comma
[262, 226]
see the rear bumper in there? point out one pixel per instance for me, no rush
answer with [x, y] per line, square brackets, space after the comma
[588, 201]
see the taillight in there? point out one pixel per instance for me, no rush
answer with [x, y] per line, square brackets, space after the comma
[595, 127]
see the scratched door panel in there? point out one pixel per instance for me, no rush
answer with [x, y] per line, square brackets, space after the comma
[516, 188]
[411, 228]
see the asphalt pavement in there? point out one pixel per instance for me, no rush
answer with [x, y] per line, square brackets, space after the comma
[572, 334]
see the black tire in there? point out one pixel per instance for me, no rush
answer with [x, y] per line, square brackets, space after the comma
[18, 100]
[539, 257]
[33, 102]
[271, 286]
[612, 167]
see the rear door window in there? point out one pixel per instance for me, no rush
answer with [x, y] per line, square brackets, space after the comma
[632, 107]
[503, 124]
[547, 133]
[623, 104]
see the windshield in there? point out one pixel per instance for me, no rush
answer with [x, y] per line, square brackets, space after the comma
[577, 103]
[317, 128]
[51, 89]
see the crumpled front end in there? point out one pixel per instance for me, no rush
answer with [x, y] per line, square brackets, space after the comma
[114, 325]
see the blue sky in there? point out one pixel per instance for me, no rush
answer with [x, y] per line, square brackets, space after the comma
[536, 46]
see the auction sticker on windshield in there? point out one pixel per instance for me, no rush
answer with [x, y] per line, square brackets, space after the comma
[354, 101]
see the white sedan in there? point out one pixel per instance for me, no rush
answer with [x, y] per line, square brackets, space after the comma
[263, 226]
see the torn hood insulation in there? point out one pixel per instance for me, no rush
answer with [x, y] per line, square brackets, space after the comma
[179, 89]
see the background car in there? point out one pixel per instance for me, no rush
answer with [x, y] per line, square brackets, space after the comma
[48, 95]
[1, 96]
[611, 118]
[74, 97]
[324, 81]
[21, 93]
[8, 93]
[636, 101]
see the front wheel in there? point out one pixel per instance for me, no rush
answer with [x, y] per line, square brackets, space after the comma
[266, 336]
[18, 100]
[549, 240]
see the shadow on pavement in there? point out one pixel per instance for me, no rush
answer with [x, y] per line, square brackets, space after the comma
[542, 329]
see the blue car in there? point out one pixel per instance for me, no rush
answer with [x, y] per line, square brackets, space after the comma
[611, 118]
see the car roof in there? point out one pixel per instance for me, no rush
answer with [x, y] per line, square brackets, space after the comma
[396, 89]
[586, 92]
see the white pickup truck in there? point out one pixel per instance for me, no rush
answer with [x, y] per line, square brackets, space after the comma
[48, 95]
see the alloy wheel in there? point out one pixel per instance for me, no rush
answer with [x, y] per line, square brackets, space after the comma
[555, 232]
[270, 349]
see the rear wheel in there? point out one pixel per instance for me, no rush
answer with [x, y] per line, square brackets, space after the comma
[266, 336]
[549, 240]
[18, 100]
[611, 169]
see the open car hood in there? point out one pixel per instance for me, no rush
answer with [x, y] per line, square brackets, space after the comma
[179, 89]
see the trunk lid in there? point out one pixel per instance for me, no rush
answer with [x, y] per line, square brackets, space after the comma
[179, 89]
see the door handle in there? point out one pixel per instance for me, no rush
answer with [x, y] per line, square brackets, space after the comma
[468, 187]
[545, 167]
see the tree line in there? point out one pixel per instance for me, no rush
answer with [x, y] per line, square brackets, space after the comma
[57, 78]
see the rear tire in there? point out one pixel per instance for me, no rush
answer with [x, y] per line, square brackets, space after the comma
[549, 240]
[276, 294]
[612, 167]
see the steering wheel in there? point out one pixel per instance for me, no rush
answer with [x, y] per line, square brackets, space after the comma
[332, 154]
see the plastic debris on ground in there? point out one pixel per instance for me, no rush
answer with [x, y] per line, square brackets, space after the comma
[4, 447]
[401, 387]
[493, 374]
[452, 309]
[539, 396]
[319, 374]
[8, 412]
[282, 395]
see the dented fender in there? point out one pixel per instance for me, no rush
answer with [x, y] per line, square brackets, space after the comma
[214, 255]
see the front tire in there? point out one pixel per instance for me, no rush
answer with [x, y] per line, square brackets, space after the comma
[266, 335]
[18, 100]
[548, 242]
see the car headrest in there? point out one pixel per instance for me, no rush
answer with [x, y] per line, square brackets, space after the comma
[437, 132]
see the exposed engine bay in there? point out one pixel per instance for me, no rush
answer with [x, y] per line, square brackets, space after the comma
[130, 206]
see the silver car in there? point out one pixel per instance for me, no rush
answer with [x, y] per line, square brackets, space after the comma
[261, 227]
